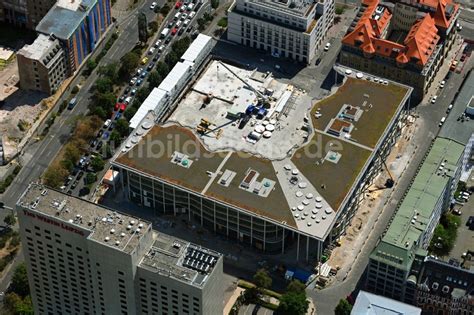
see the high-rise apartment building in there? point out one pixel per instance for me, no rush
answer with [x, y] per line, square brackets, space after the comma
[42, 65]
[291, 29]
[86, 259]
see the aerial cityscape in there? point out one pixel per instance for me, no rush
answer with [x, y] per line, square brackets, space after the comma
[243, 157]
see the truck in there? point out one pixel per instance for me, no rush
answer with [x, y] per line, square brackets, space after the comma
[164, 33]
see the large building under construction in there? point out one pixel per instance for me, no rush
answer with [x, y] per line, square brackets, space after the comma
[254, 159]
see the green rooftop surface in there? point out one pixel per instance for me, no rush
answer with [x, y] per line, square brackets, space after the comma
[147, 156]
[398, 245]
[273, 206]
[332, 180]
[381, 103]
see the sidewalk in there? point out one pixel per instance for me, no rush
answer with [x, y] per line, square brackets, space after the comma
[237, 292]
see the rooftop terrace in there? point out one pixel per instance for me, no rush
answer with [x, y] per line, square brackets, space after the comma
[97, 223]
[172, 257]
[299, 176]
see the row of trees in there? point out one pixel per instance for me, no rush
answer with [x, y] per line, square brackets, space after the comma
[18, 300]
[445, 234]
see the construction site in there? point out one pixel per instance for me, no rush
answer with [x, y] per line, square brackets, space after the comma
[255, 159]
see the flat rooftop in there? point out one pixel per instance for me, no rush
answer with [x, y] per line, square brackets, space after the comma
[64, 18]
[39, 49]
[460, 130]
[372, 304]
[414, 213]
[178, 259]
[299, 176]
[106, 226]
[298, 7]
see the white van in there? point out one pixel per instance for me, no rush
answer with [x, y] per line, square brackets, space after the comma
[177, 16]
[186, 23]
[107, 123]
[178, 24]
[191, 15]
[190, 7]
[441, 122]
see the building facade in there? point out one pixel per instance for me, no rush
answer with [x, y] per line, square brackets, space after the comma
[294, 30]
[85, 259]
[445, 288]
[42, 65]
[78, 26]
[405, 41]
[24, 13]
[67, 34]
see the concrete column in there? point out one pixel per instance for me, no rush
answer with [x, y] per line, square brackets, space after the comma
[307, 248]
[215, 223]
[202, 214]
[128, 186]
[227, 220]
[251, 230]
[153, 196]
[174, 201]
[141, 189]
[163, 195]
[121, 181]
[298, 247]
[264, 234]
[189, 207]
[282, 240]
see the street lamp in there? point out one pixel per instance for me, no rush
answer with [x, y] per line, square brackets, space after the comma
[2, 206]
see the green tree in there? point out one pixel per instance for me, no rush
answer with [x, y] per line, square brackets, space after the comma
[142, 28]
[153, 26]
[171, 59]
[123, 128]
[67, 164]
[19, 283]
[90, 178]
[154, 79]
[142, 94]
[107, 151]
[110, 71]
[105, 100]
[296, 286]
[10, 220]
[262, 279]
[165, 10]
[214, 4]
[343, 308]
[17, 305]
[72, 153]
[130, 112]
[104, 85]
[162, 69]
[222, 22]
[128, 63]
[115, 138]
[181, 45]
[97, 164]
[293, 303]
[90, 66]
[54, 176]
[100, 112]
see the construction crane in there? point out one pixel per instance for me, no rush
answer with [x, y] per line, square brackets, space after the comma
[261, 97]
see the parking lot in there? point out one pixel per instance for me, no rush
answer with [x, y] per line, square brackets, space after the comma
[465, 238]
[180, 22]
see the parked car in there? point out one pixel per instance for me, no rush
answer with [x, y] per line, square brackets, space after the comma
[74, 185]
[174, 31]
[107, 123]
[150, 66]
[441, 122]
[433, 100]
[127, 100]
[123, 107]
[99, 134]
[178, 4]
[144, 60]
[162, 48]
[127, 90]
[133, 81]
[112, 126]
[93, 142]
[327, 46]
[449, 108]
[144, 73]
[139, 81]
[106, 135]
[79, 176]
[318, 61]
[153, 5]
[118, 115]
[99, 145]
[181, 30]
[441, 84]
[156, 57]
[133, 92]
[157, 44]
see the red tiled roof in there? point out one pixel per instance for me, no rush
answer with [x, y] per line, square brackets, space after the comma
[419, 43]
[422, 39]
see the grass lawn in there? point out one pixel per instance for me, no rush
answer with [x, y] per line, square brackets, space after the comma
[379, 103]
[332, 181]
